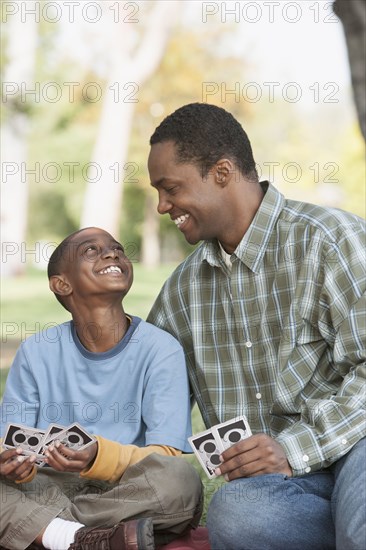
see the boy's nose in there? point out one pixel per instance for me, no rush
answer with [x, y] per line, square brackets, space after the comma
[110, 252]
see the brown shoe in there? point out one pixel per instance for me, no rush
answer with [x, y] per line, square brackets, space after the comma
[136, 534]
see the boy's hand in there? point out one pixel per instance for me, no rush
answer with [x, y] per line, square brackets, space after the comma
[63, 459]
[14, 465]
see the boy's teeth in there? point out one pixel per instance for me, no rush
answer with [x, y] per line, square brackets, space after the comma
[181, 219]
[111, 269]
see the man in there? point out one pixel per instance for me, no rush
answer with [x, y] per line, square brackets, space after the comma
[124, 381]
[270, 311]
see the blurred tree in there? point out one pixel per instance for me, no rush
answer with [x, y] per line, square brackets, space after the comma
[353, 16]
[18, 77]
[191, 63]
[129, 66]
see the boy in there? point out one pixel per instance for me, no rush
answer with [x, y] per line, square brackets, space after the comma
[124, 381]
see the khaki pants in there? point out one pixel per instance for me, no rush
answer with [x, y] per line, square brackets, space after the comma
[167, 489]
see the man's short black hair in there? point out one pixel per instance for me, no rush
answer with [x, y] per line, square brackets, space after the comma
[204, 134]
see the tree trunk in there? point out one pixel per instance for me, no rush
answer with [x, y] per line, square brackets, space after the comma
[18, 76]
[103, 197]
[352, 13]
[150, 252]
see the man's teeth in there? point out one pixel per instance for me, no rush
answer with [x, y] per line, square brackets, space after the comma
[111, 269]
[178, 221]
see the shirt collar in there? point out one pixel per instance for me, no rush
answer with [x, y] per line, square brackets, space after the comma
[253, 245]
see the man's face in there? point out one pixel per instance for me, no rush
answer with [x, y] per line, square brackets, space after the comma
[194, 204]
[96, 264]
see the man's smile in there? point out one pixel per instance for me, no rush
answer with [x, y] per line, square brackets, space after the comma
[179, 221]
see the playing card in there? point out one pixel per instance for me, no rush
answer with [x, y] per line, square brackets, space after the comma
[50, 435]
[74, 437]
[28, 439]
[231, 432]
[206, 450]
[209, 445]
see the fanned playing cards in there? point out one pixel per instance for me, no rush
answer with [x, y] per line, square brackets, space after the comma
[33, 441]
[209, 445]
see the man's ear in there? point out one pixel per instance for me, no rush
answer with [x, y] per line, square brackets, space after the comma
[60, 285]
[223, 170]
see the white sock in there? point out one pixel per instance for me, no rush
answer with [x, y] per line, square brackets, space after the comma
[60, 533]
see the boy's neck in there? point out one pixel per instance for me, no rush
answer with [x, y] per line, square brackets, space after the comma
[101, 329]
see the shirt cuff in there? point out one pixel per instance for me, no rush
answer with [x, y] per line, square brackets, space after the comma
[30, 477]
[303, 453]
[105, 462]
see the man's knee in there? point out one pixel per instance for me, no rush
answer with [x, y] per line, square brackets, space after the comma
[268, 512]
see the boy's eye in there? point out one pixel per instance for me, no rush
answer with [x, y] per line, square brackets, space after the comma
[90, 251]
[118, 247]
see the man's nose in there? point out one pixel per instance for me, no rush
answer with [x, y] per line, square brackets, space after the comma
[164, 205]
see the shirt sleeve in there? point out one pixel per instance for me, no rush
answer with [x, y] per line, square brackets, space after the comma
[20, 404]
[20, 399]
[114, 458]
[331, 426]
[166, 405]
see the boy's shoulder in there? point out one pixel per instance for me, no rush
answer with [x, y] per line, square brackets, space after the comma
[51, 334]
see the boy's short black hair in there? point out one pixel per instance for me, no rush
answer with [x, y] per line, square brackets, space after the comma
[58, 260]
[203, 134]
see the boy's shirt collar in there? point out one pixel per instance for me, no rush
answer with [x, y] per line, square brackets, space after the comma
[120, 345]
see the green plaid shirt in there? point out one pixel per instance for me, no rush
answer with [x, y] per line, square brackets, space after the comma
[281, 336]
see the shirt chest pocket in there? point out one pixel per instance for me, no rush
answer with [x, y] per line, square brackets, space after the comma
[307, 334]
[298, 334]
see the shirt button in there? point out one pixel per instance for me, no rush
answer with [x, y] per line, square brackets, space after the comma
[258, 395]
[308, 469]
[305, 458]
[344, 441]
[248, 344]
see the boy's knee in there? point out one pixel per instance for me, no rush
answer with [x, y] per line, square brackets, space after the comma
[175, 480]
[184, 482]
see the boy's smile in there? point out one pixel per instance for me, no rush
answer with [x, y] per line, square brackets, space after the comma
[110, 269]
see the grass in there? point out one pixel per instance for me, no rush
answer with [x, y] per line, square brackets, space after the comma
[28, 307]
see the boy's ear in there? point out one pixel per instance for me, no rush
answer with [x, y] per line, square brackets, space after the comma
[60, 285]
[224, 168]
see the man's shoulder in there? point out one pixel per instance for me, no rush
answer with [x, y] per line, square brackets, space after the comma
[183, 273]
[330, 221]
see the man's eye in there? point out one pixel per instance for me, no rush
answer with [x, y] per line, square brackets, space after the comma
[171, 190]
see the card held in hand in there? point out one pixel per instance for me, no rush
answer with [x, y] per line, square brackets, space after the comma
[231, 432]
[35, 441]
[206, 450]
[74, 437]
[209, 445]
[28, 439]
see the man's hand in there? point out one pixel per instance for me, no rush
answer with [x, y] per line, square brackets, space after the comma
[254, 456]
[15, 466]
[63, 459]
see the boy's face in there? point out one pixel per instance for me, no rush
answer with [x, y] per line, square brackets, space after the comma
[97, 265]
